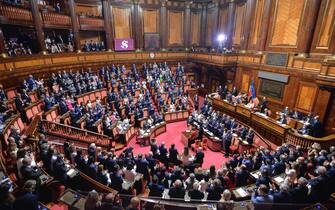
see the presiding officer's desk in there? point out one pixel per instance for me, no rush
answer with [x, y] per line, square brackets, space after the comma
[267, 127]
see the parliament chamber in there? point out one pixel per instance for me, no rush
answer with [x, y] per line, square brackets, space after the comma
[167, 104]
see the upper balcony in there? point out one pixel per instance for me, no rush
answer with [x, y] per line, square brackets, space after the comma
[15, 15]
[56, 20]
[91, 23]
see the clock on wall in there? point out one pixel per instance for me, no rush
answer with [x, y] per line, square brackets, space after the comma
[152, 55]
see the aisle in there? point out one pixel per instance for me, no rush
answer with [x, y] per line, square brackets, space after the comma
[173, 136]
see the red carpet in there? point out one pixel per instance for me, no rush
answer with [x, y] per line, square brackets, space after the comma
[173, 136]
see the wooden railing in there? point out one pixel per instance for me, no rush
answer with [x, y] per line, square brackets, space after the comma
[15, 13]
[51, 18]
[305, 141]
[269, 128]
[86, 22]
[176, 116]
[75, 134]
[14, 121]
[92, 96]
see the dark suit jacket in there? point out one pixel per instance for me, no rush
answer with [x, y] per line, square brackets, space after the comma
[27, 201]
[196, 195]
[30, 173]
[177, 193]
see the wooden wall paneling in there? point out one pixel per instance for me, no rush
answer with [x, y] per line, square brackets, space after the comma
[256, 24]
[175, 28]
[75, 24]
[245, 82]
[286, 22]
[264, 24]
[38, 24]
[203, 25]
[89, 10]
[307, 93]
[324, 34]
[231, 23]
[137, 24]
[330, 115]
[250, 7]
[187, 26]
[163, 25]
[223, 20]
[108, 20]
[321, 103]
[291, 25]
[210, 27]
[150, 20]
[239, 24]
[195, 28]
[122, 22]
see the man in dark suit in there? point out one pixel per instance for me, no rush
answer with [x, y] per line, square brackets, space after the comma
[199, 157]
[300, 193]
[173, 155]
[116, 179]
[241, 176]
[142, 166]
[28, 171]
[227, 138]
[163, 154]
[19, 104]
[215, 191]
[319, 186]
[195, 193]
[60, 169]
[27, 200]
[156, 190]
[264, 104]
[177, 191]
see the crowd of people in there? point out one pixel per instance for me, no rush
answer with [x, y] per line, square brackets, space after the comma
[20, 45]
[94, 46]
[166, 172]
[220, 125]
[311, 123]
[56, 43]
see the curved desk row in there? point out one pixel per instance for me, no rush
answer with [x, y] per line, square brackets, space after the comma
[267, 127]
[170, 117]
[152, 133]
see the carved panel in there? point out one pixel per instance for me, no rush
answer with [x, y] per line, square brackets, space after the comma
[122, 22]
[239, 23]
[150, 21]
[223, 20]
[287, 20]
[306, 96]
[175, 27]
[195, 28]
[256, 29]
[209, 27]
[245, 83]
[325, 28]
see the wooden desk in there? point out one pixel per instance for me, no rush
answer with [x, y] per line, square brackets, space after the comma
[242, 193]
[241, 109]
[127, 135]
[225, 104]
[176, 116]
[187, 136]
[152, 133]
[270, 123]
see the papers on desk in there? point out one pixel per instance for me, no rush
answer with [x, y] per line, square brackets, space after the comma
[245, 142]
[71, 173]
[279, 179]
[242, 192]
[256, 174]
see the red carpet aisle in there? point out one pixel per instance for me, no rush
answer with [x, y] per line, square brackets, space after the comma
[173, 136]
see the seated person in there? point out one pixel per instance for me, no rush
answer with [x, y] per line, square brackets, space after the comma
[28, 171]
[177, 191]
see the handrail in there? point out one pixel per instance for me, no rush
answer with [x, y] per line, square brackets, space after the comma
[265, 141]
[76, 134]
[15, 13]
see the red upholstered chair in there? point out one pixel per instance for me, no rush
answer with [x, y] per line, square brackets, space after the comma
[196, 145]
[204, 143]
[11, 94]
[235, 144]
